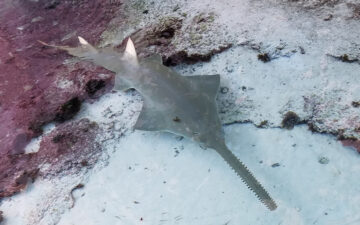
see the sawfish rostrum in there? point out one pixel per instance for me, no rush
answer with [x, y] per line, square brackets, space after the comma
[183, 105]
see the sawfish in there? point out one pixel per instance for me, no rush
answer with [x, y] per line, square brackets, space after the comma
[183, 105]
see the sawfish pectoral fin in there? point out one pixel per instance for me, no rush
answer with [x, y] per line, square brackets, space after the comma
[206, 84]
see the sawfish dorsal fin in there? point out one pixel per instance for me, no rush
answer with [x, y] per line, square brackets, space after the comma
[130, 56]
[130, 53]
[208, 84]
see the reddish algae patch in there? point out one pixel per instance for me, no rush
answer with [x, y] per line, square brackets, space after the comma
[352, 143]
[36, 87]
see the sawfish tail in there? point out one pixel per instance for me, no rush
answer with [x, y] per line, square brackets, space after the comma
[247, 177]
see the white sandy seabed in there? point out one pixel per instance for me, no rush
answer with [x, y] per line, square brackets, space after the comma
[157, 178]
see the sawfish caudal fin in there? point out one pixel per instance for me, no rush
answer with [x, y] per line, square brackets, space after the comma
[247, 177]
[84, 51]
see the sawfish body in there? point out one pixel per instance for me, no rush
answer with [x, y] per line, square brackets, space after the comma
[183, 105]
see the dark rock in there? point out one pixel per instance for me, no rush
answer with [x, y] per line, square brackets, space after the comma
[52, 4]
[264, 57]
[84, 163]
[263, 124]
[58, 138]
[355, 10]
[168, 33]
[92, 86]
[22, 179]
[328, 17]
[183, 57]
[224, 90]
[179, 138]
[323, 160]
[344, 58]
[355, 104]
[290, 120]
[36, 128]
[176, 8]
[68, 110]
[302, 50]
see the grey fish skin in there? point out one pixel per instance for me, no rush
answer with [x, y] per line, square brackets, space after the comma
[183, 105]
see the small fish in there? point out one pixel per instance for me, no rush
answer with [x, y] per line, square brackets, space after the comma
[183, 105]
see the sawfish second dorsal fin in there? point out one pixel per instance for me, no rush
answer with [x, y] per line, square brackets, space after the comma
[206, 84]
[86, 46]
[84, 51]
